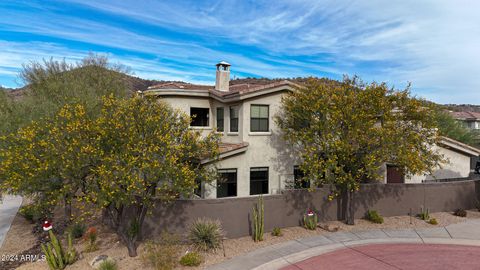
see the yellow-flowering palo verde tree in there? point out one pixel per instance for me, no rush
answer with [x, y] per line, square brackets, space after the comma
[346, 130]
[49, 160]
[149, 154]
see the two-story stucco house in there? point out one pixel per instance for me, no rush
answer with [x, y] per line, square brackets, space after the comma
[254, 157]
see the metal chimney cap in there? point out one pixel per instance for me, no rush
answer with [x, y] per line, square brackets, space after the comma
[222, 63]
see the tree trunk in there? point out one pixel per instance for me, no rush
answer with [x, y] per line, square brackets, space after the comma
[68, 209]
[350, 211]
[132, 247]
[114, 216]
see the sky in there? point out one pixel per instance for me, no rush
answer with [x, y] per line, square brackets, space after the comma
[432, 44]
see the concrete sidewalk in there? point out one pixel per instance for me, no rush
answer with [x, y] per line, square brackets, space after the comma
[8, 209]
[287, 253]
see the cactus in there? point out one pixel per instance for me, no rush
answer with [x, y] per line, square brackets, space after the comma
[71, 254]
[56, 257]
[310, 220]
[424, 213]
[50, 257]
[258, 218]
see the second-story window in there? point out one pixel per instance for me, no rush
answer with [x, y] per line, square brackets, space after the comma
[259, 118]
[234, 119]
[199, 117]
[220, 122]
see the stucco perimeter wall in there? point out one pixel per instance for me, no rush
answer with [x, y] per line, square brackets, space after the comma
[285, 210]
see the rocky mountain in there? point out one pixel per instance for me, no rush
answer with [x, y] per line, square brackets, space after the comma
[135, 84]
[462, 107]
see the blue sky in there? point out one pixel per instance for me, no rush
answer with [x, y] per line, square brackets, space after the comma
[434, 44]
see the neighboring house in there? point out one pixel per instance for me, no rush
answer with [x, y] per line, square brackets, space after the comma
[470, 120]
[254, 158]
[459, 164]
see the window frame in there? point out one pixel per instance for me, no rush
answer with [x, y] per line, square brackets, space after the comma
[252, 119]
[298, 181]
[192, 118]
[232, 108]
[256, 169]
[228, 171]
[222, 119]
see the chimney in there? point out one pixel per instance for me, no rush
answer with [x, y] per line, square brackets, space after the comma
[222, 81]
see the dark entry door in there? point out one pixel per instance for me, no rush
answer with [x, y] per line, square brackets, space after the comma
[395, 175]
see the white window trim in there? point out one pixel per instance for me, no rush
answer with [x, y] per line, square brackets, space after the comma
[201, 128]
[209, 127]
[260, 133]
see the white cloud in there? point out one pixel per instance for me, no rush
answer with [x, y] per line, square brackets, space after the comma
[433, 44]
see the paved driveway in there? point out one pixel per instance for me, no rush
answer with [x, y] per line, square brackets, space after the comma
[8, 209]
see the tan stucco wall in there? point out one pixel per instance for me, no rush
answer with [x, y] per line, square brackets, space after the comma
[266, 149]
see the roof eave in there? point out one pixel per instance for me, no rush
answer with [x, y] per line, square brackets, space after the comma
[177, 92]
[459, 146]
[225, 155]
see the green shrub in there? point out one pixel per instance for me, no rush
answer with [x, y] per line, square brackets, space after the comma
[424, 214]
[108, 265]
[258, 218]
[374, 216]
[27, 212]
[433, 221]
[277, 231]
[57, 258]
[78, 230]
[310, 220]
[34, 212]
[460, 213]
[164, 254]
[191, 259]
[206, 234]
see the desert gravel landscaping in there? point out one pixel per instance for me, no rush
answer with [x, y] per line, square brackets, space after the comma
[239, 246]
[20, 238]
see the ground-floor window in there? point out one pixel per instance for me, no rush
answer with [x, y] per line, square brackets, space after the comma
[299, 178]
[227, 183]
[198, 188]
[259, 180]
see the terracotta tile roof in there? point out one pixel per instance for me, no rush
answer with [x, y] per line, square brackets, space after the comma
[465, 115]
[239, 86]
[228, 147]
[247, 88]
[227, 150]
[181, 85]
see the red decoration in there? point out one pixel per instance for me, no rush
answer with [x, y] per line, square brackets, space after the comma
[47, 226]
[310, 212]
